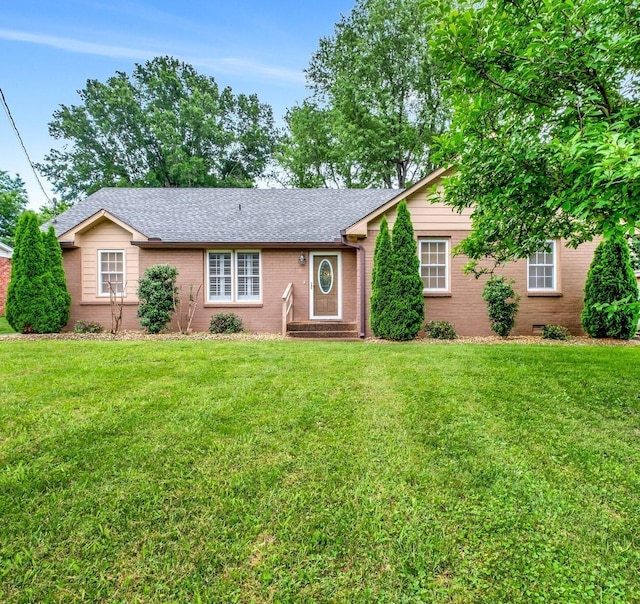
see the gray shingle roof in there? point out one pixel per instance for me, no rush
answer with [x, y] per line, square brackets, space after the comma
[232, 215]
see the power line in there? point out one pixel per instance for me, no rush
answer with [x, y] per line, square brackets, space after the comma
[24, 148]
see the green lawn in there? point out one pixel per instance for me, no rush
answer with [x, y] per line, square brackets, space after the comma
[4, 326]
[278, 471]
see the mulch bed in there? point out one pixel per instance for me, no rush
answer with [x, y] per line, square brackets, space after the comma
[141, 335]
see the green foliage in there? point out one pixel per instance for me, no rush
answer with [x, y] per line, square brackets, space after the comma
[33, 304]
[555, 332]
[87, 327]
[376, 103]
[157, 293]
[404, 314]
[59, 294]
[381, 287]
[546, 127]
[441, 330]
[502, 304]
[13, 200]
[611, 279]
[634, 252]
[225, 323]
[164, 126]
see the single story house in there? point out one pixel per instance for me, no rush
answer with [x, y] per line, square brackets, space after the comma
[5, 273]
[285, 259]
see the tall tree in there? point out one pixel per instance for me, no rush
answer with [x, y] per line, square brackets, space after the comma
[166, 125]
[381, 281]
[376, 103]
[59, 296]
[29, 307]
[546, 127]
[13, 200]
[405, 311]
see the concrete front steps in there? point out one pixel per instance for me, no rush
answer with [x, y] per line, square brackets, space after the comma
[323, 330]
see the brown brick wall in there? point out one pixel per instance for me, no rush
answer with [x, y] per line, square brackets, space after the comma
[466, 309]
[279, 267]
[5, 276]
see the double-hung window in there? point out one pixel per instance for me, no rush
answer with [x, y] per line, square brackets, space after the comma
[434, 264]
[541, 268]
[234, 276]
[111, 272]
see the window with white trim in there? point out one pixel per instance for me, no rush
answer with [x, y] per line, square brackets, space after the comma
[234, 276]
[434, 264]
[541, 268]
[111, 269]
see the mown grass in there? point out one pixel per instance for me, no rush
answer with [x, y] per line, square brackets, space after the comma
[318, 472]
[4, 326]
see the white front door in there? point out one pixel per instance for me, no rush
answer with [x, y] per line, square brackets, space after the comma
[325, 282]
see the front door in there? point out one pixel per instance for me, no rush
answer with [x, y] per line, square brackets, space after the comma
[326, 285]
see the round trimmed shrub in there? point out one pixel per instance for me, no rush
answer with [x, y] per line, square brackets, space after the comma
[555, 332]
[440, 330]
[225, 323]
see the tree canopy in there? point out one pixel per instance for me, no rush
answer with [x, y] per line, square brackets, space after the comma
[546, 126]
[166, 125]
[13, 201]
[376, 102]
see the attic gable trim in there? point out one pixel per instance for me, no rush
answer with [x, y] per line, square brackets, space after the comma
[99, 215]
[360, 228]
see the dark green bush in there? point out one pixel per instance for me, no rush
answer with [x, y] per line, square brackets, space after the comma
[440, 330]
[31, 306]
[157, 293]
[225, 323]
[611, 279]
[59, 295]
[404, 314]
[87, 327]
[555, 332]
[502, 304]
[381, 293]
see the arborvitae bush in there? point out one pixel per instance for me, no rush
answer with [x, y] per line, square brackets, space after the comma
[611, 279]
[157, 293]
[29, 307]
[381, 280]
[59, 296]
[225, 323]
[502, 304]
[441, 330]
[404, 315]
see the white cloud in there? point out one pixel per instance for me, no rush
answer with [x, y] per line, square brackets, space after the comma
[228, 65]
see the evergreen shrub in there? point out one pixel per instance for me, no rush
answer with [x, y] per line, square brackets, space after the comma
[225, 323]
[611, 279]
[555, 332]
[381, 293]
[440, 330]
[157, 293]
[87, 327]
[502, 304]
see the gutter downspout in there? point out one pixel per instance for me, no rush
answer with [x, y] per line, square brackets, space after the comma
[363, 296]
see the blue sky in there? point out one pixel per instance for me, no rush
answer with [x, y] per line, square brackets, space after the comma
[49, 49]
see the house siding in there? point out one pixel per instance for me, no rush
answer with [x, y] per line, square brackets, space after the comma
[5, 276]
[464, 307]
[279, 268]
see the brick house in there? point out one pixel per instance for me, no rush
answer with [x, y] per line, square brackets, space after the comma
[5, 273]
[286, 259]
